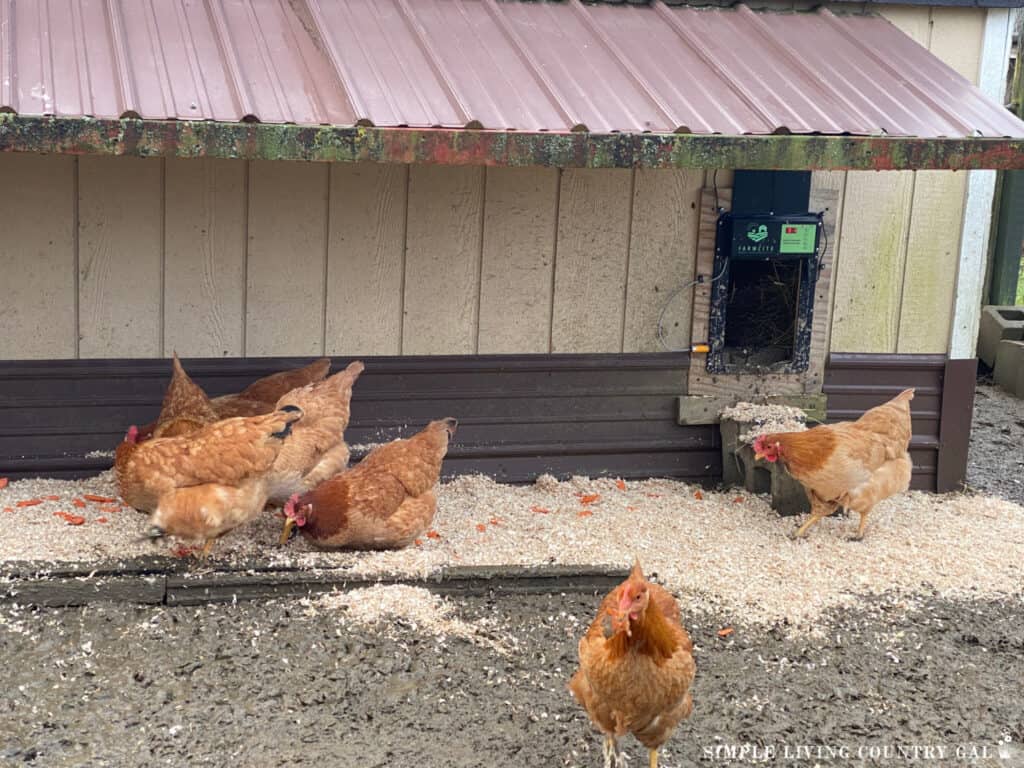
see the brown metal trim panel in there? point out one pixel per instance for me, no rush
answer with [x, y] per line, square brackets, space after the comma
[520, 415]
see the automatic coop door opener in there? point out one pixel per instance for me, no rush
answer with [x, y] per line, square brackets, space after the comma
[772, 258]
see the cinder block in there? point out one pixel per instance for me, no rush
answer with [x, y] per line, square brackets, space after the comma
[740, 468]
[997, 324]
[1009, 367]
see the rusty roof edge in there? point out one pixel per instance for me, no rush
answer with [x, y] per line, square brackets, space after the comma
[262, 141]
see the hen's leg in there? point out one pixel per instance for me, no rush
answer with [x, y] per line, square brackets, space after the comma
[207, 546]
[610, 749]
[859, 535]
[652, 757]
[819, 509]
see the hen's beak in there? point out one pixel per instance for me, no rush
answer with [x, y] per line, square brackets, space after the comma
[288, 531]
[155, 532]
[758, 455]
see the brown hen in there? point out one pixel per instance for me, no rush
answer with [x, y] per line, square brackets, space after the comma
[636, 668]
[384, 502]
[204, 484]
[853, 464]
[316, 449]
[186, 402]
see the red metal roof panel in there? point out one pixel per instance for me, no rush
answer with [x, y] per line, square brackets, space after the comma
[492, 64]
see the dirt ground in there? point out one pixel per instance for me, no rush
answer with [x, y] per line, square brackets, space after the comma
[995, 463]
[265, 684]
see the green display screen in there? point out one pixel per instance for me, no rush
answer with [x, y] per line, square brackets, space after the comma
[797, 238]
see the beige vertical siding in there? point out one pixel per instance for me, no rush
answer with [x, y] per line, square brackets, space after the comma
[120, 252]
[442, 260]
[518, 260]
[592, 260]
[38, 317]
[287, 258]
[205, 236]
[897, 262]
[366, 259]
[662, 258]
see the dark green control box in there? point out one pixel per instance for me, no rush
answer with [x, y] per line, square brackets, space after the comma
[763, 237]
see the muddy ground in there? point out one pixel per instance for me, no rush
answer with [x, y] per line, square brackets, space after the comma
[995, 463]
[264, 684]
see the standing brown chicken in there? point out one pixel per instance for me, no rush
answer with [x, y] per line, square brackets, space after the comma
[316, 449]
[202, 485]
[636, 668]
[384, 502]
[850, 464]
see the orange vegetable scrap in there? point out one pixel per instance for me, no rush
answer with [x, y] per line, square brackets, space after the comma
[584, 513]
[589, 498]
[496, 521]
[101, 519]
[3, 482]
[78, 503]
[8, 509]
[109, 508]
[738, 500]
[98, 499]
[540, 510]
[653, 495]
[418, 542]
[698, 496]
[481, 527]
[28, 503]
[620, 484]
[631, 509]
[725, 632]
[52, 498]
[182, 551]
[69, 518]
[433, 535]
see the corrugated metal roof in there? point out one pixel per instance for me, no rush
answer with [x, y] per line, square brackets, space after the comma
[537, 66]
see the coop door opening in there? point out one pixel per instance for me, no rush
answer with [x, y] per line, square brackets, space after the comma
[761, 310]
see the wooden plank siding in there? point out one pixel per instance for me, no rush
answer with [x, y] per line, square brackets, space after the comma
[217, 258]
[899, 248]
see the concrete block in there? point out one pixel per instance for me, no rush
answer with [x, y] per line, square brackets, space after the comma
[707, 409]
[739, 468]
[998, 324]
[1009, 366]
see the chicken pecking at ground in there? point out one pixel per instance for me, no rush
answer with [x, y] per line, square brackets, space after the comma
[187, 407]
[202, 485]
[636, 668]
[316, 449]
[851, 464]
[384, 502]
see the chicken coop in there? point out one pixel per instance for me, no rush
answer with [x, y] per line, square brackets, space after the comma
[582, 229]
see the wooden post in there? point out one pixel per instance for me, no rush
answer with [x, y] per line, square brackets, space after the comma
[980, 194]
[1009, 238]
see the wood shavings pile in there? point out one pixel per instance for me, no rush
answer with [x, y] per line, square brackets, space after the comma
[765, 418]
[417, 608]
[725, 551]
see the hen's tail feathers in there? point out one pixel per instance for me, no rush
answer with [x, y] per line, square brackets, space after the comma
[905, 396]
[351, 373]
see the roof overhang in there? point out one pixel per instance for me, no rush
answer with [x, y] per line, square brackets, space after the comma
[258, 141]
